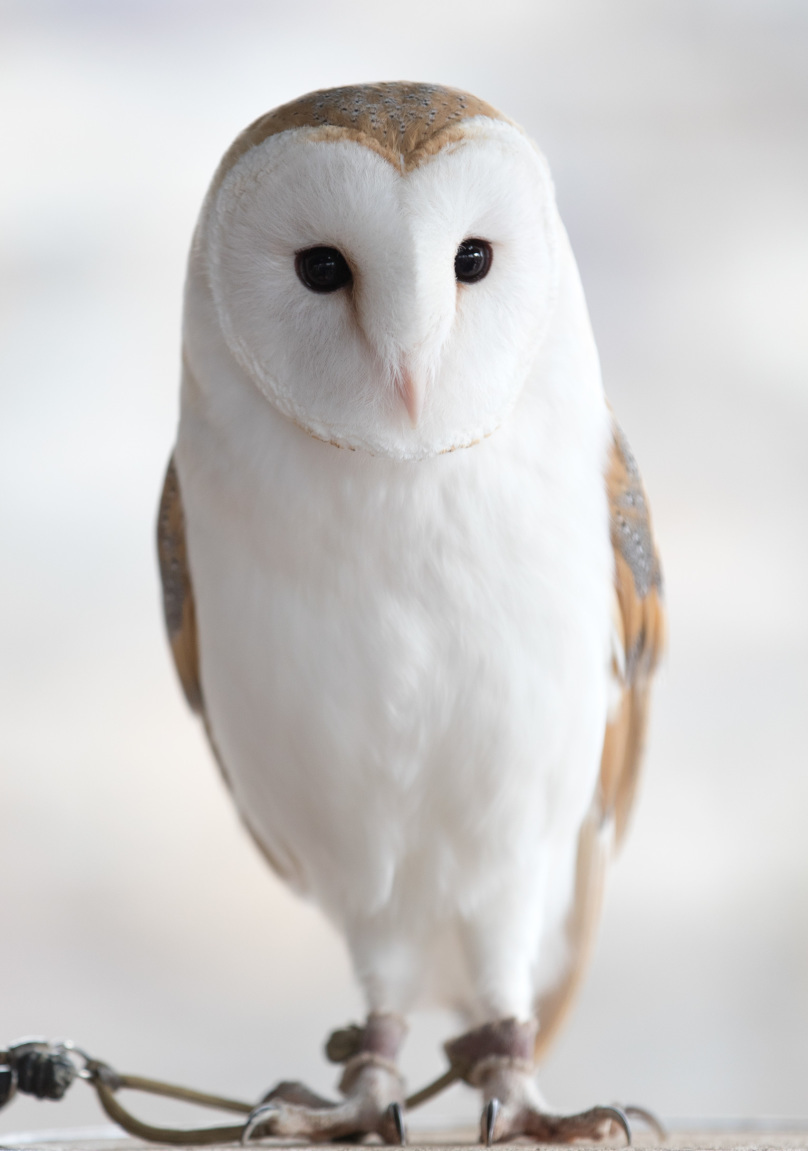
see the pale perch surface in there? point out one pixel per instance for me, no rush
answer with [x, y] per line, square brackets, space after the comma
[717, 1140]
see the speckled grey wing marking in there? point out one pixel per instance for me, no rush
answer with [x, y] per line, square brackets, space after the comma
[631, 520]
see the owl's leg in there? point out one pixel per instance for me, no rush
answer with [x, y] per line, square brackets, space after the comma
[498, 1059]
[371, 1084]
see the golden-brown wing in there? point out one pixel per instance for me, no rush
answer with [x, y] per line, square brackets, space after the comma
[178, 596]
[641, 617]
[640, 623]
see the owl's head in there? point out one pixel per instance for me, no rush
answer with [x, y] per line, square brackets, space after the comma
[383, 263]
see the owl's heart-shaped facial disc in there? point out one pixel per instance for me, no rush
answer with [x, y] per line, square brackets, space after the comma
[385, 304]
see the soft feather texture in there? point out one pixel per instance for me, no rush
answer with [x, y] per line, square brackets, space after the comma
[405, 123]
[407, 657]
[471, 345]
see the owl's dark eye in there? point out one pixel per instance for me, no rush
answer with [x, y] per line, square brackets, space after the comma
[473, 261]
[322, 269]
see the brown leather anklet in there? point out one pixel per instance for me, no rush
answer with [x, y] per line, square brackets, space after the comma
[376, 1044]
[507, 1042]
[382, 1034]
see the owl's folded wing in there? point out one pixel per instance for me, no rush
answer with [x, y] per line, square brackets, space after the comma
[639, 622]
[178, 594]
[180, 616]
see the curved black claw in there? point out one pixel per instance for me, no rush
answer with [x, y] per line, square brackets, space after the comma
[649, 1118]
[490, 1120]
[397, 1115]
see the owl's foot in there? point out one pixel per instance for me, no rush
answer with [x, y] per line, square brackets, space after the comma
[498, 1059]
[372, 1086]
[522, 1116]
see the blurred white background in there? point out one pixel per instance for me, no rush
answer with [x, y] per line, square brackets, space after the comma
[134, 914]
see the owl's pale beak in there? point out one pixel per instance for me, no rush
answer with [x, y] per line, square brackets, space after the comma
[411, 390]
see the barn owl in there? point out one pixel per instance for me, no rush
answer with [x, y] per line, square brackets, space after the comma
[409, 578]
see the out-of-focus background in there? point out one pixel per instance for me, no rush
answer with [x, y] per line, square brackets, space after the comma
[135, 916]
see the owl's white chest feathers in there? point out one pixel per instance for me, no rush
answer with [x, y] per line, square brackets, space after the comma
[405, 664]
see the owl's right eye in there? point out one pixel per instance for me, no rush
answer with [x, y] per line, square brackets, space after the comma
[322, 269]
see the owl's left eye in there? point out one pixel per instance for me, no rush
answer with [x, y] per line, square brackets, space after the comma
[472, 261]
[322, 269]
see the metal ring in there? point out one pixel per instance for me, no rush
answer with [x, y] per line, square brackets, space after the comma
[256, 1118]
[71, 1049]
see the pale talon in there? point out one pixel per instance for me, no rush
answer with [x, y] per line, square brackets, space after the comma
[490, 1119]
[620, 1117]
[648, 1118]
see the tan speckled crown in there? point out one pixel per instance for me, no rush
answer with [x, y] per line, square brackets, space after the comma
[404, 122]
